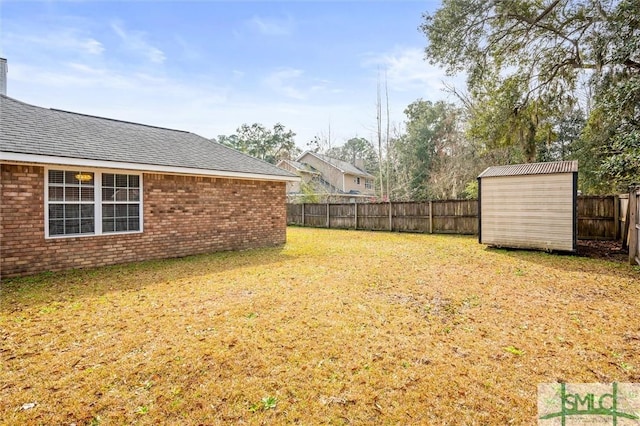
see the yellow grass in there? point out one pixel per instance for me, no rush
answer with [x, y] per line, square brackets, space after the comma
[336, 327]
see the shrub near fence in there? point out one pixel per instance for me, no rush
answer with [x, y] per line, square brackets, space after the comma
[598, 216]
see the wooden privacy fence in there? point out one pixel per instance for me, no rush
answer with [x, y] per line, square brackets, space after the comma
[449, 216]
[598, 216]
[632, 225]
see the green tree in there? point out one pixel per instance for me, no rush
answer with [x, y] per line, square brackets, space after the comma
[498, 119]
[355, 149]
[260, 142]
[523, 60]
[612, 138]
[612, 135]
[422, 157]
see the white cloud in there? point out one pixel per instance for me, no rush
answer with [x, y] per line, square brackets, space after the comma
[406, 70]
[282, 82]
[135, 41]
[92, 46]
[271, 26]
[66, 40]
[292, 83]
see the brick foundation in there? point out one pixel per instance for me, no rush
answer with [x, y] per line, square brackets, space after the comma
[183, 215]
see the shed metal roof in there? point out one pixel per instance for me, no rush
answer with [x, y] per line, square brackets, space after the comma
[35, 131]
[531, 169]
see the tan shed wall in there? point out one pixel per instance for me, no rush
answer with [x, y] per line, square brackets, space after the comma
[528, 211]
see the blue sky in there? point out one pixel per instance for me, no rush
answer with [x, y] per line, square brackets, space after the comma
[210, 66]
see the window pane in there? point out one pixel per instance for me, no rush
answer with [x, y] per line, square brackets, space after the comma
[134, 181]
[71, 226]
[121, 195]
[56, 193]
[121, 224]
[108, 211]
[134, 195]
[70, 178]
[121, 181]
[108, 179]
[107, 225]
[56, 176]
[86, 194]
[71, 211]
[56, 211]
[134, 224]
[71, 194]
[86, 211]
[85, 178]
[56, 227]
[133, 210]
[107, 194]
[86, 225]
[121, 210]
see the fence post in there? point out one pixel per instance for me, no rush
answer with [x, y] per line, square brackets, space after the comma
[355, 215]
[302, 214]
[633, 223]
[390, 216]
[328, 217]
[616, 217]
[430, 217]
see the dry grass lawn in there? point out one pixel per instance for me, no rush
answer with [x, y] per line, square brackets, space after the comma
[336, 327]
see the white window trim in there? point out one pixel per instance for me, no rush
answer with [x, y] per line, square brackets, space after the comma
[97, 197]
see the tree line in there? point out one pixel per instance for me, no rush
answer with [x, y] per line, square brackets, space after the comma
[546, 80]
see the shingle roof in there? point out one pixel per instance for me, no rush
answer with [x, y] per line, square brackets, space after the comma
[28, 129]
[302, 167]
[531, 169]
[341, 165]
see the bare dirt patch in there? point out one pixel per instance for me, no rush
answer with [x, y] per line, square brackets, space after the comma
[336, 327]
[607, 250]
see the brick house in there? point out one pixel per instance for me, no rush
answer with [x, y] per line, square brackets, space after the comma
[81, 191]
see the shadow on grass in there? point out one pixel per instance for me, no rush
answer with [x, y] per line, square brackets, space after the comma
[68, 286]
[566, 261]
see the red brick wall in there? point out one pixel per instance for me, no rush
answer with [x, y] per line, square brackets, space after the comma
[183, 215]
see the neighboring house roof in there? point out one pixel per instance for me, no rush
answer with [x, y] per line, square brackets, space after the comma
[31, 133]
[343, 166]
[304, 168]
[531, 169]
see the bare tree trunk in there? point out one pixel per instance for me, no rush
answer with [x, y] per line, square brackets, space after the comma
[386, 92]
[379, 122]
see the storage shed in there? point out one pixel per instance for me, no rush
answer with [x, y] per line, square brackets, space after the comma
[530, 206]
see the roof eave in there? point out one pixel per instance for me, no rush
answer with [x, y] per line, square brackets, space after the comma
[12, 157]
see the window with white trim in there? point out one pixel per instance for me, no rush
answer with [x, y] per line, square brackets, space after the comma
[120, 203]
[368, 184]
[92, 203]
